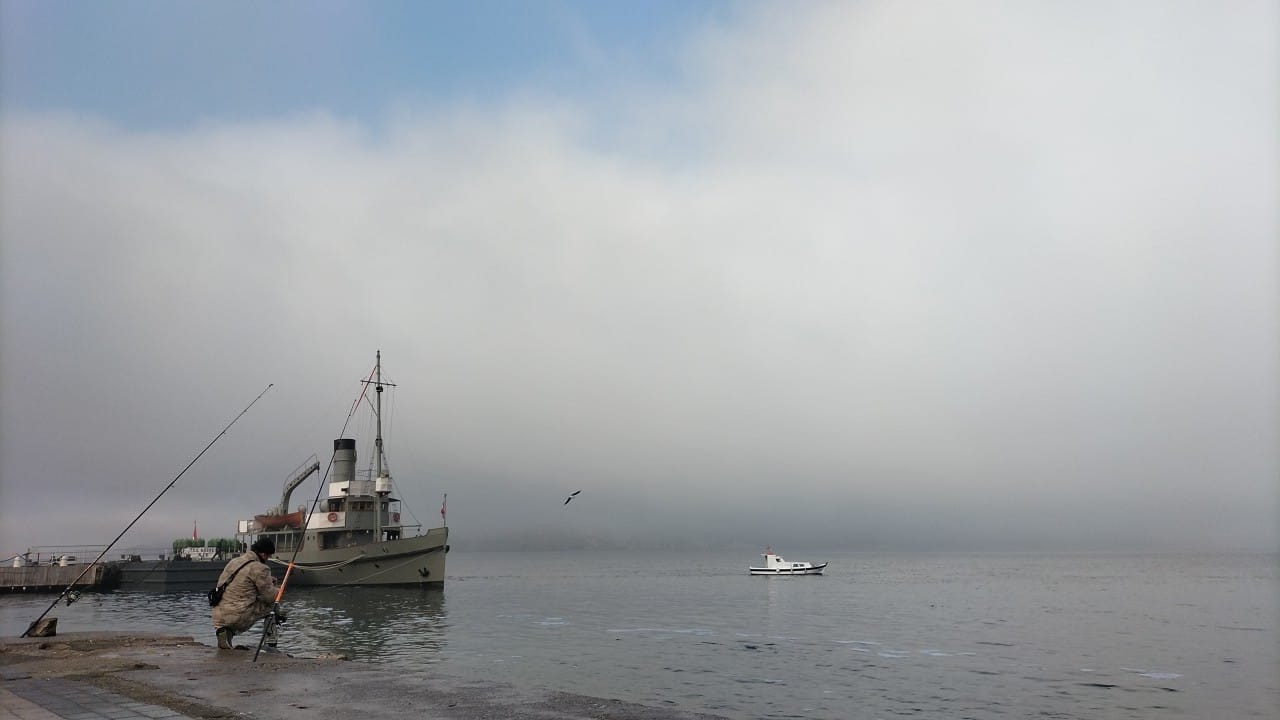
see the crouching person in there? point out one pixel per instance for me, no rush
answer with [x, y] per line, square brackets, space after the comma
[250, 594]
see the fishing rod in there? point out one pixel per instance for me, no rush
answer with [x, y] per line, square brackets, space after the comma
[272, 618]
[172, 482]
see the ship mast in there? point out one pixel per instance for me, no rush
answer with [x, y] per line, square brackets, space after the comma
[377, 413]
[380, 480]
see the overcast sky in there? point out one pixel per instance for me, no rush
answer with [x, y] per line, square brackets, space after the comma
[864, 275]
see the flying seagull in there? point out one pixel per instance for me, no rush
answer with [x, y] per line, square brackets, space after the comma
[572, 495]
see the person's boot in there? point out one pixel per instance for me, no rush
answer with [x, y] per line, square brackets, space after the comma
[224, 638]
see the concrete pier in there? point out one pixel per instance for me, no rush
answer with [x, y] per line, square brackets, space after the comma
[120, 675]
[22, 698]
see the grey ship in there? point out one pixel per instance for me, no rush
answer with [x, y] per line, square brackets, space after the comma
[355, 534]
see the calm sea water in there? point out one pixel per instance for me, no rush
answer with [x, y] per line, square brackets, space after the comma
[879, 636]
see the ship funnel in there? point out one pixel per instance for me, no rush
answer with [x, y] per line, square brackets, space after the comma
[344, 462]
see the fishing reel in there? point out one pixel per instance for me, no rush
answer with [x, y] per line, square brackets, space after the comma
[72, 596]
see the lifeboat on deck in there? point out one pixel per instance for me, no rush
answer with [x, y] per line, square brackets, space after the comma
[279, 522]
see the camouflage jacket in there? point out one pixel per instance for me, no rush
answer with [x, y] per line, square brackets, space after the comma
[248, 597]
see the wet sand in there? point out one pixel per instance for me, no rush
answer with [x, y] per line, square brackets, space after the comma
[197, 680]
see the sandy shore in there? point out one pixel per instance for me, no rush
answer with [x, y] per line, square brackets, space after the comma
[200, 681]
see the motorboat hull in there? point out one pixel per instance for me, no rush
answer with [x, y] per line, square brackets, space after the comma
[812, 570]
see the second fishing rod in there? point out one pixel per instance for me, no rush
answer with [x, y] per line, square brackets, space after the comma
[69, 592]
[275, 616]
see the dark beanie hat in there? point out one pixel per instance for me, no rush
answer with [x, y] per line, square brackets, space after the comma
[263, 545]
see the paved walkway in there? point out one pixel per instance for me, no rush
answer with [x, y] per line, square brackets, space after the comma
[61, 699]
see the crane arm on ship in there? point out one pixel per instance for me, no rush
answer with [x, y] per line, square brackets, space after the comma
[295, 482]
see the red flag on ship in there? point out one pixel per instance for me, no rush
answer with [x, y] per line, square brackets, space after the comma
[442, 506]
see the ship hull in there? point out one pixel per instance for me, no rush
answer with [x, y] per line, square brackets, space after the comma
[414, 561]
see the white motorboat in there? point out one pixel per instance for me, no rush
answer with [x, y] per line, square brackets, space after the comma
[775, 565]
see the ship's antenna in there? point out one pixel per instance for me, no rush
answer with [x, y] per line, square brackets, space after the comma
[144, 511]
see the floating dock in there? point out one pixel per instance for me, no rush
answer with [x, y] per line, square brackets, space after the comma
[169, 575]
[56, 578]
[149, 576]
[53, 568]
